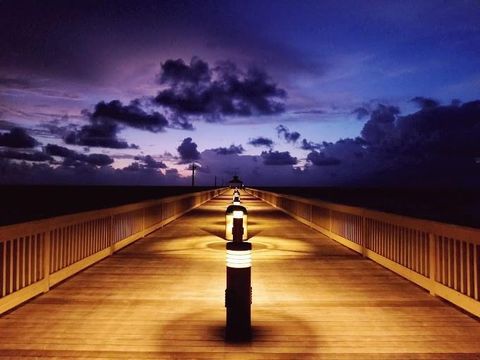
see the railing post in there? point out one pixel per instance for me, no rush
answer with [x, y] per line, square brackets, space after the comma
[46, 261]
[110, 235]
[432, 262]
[330, 220]
[364, 237]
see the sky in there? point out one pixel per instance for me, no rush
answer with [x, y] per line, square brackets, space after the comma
[281, 93]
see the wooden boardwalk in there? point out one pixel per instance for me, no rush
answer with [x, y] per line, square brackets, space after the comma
[163, 298]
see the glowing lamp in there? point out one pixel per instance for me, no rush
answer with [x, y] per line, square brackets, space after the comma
[235, 211]
[239, 259]
[236, 193]
[238, 294]
[238, 214]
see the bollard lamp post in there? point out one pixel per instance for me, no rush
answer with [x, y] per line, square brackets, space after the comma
[229, 214]
[236, 193]
[238, 295]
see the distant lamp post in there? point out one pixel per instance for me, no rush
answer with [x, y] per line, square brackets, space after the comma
[238, 295]
[193, 168]
[230, 213]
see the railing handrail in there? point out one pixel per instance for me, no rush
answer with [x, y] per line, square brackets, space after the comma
[38, 254]
[65, 220]
[442, 258]
[436, 227]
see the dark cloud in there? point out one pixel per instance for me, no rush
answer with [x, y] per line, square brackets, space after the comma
[250, 168]
[320, 159]
[232, 149]
[261, 141]
[378, 129]
[14, 83]
[135, 166]
[290, 137]
[150, 163]
[56, 150]
[36, 156]
[6, 125]
[214, 93]
[98, 159]
[442, 131]
[17, 138]
[130, 115]
[188, 151]
[278, 158]
[425, 103]
[98, 134]
[83, 174]
[176, 71]
[435, 145]
[310, 145]
[310, 112]
[105, 123]
[177, 122]
[171, 172]
[73, 158]
[361, 112]
[60, 127]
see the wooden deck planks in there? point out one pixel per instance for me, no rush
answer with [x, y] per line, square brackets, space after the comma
[163, 298]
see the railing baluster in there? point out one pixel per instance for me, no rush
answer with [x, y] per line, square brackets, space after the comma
[476, 266]
[4, 267]
[432, 246]
[46, 259]
[440, 253]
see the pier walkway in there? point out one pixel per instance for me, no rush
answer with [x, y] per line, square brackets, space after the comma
[162, 297]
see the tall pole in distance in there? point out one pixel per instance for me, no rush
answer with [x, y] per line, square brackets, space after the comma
[238, 296]
[193, 174]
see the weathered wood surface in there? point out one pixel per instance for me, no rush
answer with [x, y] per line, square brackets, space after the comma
[163, 298]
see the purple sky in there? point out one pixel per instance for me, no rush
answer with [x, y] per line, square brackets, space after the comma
[282, 93]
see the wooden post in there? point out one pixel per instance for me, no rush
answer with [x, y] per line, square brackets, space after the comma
[111, 240]
[330, 220]
[46, 261]
[364, 237]
[143, 218]
[432, 262]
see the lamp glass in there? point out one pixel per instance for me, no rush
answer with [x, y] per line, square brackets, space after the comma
[238, 214]
[239, 259]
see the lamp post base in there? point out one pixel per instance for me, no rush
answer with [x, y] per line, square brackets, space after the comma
[238, 295]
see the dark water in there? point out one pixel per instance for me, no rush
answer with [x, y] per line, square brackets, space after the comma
[455, 206]
[25, 203]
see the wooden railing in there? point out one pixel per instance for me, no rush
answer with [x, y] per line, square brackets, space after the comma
[442, 258]
[39, 254]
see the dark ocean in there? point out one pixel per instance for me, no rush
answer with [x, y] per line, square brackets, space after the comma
[24, 203]
[454, 206]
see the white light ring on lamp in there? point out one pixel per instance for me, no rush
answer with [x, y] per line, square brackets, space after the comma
[239, 259]
[237, 214]
[239, 252]
[239, 266]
